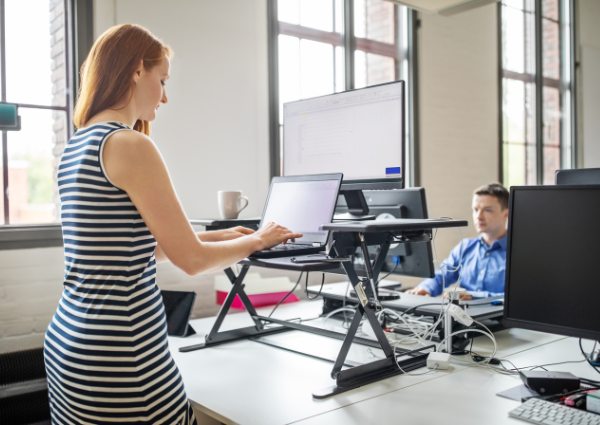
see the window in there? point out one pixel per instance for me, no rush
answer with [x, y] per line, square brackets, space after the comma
[328, 46]
[35, 75]
[537, 113]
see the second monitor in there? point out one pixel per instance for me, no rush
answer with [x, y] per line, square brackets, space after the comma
[408, 259]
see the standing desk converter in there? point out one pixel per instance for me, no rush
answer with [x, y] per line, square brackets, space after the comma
[348, 237]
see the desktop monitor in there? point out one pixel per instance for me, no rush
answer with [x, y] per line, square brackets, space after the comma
[359, 133]
[579, 176]
[407, 259]
[551, 260]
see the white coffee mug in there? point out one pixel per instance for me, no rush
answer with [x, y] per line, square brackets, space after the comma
[229, 203]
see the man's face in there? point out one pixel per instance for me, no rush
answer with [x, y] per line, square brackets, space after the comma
[488, 215]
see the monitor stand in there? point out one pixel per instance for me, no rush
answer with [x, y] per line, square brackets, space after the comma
[358, 209]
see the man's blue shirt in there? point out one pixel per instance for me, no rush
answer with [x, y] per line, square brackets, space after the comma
[482, 271]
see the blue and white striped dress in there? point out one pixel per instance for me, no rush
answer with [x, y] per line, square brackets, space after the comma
[106, 351]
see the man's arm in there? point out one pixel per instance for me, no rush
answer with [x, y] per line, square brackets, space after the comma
[486, 294]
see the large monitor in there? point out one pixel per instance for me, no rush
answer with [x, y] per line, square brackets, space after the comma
[407, 259]
[552, 280]
[578, 176]
[359, 133]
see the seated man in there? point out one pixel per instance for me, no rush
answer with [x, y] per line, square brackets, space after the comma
[484, 258]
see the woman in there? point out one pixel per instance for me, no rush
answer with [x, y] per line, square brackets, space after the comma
[106, 351]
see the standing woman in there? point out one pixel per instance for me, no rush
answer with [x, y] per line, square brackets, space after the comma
[106, 351]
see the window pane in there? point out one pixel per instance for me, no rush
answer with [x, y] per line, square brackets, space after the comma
[34, 153]
[516, 4]
[513, 40]
[289, 11]
[514, 164]
[380, 69]
[519, 152]
[551, 49]
[340, 70]
[551, 133]
[35, 48]
[550, 9]
[514, 111]
[317, 14]
[289, 71]
[316, 69]
[374, 20]
[360, 69]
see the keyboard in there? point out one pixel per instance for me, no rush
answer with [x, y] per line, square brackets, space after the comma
[545, 412]
[287, 250]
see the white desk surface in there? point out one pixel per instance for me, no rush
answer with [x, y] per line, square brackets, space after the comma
[250, 383]
[466, 397]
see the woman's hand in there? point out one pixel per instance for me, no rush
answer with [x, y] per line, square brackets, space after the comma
[224, 235]
[234, 233]
[273, 234]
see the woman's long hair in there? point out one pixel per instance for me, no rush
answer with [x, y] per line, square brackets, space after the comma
[107, 73]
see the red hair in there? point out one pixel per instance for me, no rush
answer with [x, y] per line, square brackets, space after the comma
[107, 73]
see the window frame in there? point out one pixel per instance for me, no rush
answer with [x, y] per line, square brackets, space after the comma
[350, 44]
[79, 38]
[541, 82]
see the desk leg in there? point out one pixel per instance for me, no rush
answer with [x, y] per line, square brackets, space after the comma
[358, 376]
[215, 337]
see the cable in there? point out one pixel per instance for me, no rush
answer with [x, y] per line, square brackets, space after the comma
[287, 295]
[387, 275]
[320, 289]
[462, 331]
[590, 356]
[419, 306]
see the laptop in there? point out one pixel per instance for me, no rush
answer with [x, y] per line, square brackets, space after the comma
[302, 204]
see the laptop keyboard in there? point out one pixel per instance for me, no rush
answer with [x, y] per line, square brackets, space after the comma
[286, 247]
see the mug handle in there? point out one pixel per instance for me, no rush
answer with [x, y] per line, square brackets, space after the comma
[241, 209]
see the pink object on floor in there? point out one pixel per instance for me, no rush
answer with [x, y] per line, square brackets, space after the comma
[257, 300]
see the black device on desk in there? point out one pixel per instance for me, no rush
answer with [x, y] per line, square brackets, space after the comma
[302, 204]
[552, 260]
[578, 176]
[178, 309]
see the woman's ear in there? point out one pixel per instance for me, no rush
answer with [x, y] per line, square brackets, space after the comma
[138, 72]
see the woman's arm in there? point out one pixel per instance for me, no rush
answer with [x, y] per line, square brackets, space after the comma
[210, 236]
[134, 164]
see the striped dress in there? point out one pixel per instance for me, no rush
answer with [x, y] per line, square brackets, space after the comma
[106, 351]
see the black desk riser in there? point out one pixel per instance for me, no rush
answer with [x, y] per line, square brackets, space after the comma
[347, 239]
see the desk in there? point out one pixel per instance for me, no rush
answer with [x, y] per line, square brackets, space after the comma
[250, 383]
[467, 396]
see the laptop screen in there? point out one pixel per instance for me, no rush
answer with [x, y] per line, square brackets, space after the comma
[302, 207]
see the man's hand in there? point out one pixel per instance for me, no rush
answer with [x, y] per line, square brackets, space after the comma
[418, 291]
[464, 296]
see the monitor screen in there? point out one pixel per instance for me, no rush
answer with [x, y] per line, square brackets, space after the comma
[302, 207]
[552, 274]
[359, 133]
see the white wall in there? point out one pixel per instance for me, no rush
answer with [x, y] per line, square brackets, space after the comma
[213, 132]
[30, 287]
[589, 82]
[458, 83]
